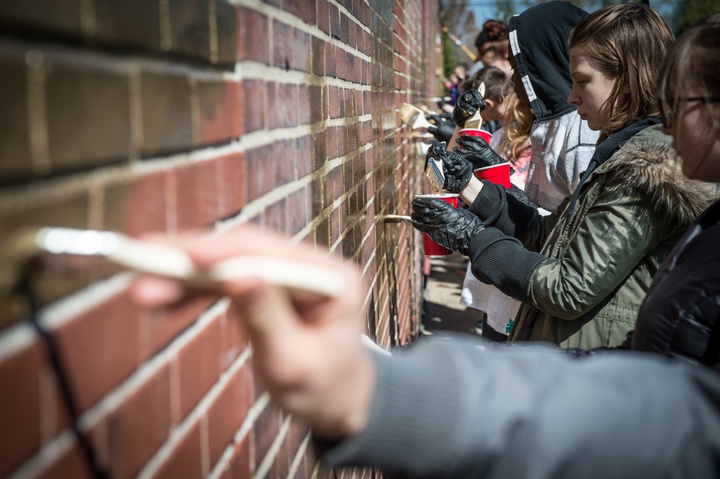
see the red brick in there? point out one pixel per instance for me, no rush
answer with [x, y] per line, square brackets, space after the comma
[282, 105]
[334, 101]
[138, 206]
[71, 463]
[161, 326]
[323, 16]
[233, 184]
[196, 199]
[319, 149]
[234, 337]
[254, 97]
[199, 366]
[303, 9]
[282, 44]
[333, 151]
[240, 462]
[262, 171]
[267, 428]
[330, 69]
[334, 21]
[300, 214]
[221, 113]
[139, 426]
[185, 459]
[224, 418]
[318, 56]
[20, 406]
[344, 27]
[299, 50]
[352, 34]
[100, 348]
[253, 36]
[304, 105]
[276, 216]
[303, 156]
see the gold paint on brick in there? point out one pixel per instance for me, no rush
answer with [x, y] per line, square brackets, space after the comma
[37, 113]
[88, 20]
[165, 26]
[194, 108]
[136, 117]
[212, 23]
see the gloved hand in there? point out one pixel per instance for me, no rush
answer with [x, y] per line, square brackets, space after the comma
[476, 151]
[466, 106]
[443, 129]
[458, 171]
[451, 227]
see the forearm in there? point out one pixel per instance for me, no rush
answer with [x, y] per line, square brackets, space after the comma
[452, 409]
[495, 206]
[502, 261]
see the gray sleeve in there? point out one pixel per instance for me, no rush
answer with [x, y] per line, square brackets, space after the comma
[449, 408]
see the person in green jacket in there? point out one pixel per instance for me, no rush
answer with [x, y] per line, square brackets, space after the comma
[583, 271]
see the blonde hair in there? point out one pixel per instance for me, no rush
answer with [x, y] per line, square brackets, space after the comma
[627, 42]
[690, 70]
[517, 124]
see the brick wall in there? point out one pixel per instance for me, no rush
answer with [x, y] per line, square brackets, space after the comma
[164, 115]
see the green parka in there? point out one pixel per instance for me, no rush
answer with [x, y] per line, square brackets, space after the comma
[599, 251]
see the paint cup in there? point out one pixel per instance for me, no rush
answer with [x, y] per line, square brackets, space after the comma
[498, 174]
[431, 248]
[475, 132]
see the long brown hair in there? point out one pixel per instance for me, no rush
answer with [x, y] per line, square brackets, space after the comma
[691, 70]
[517, 124]
[627, 42]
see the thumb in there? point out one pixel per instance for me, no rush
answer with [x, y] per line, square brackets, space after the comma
[266, 310]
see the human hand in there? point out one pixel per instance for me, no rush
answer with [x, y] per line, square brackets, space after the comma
[443, 129]
[477, 151]
[458, 171]
[451, 227]
[467, 104]
[307, 348]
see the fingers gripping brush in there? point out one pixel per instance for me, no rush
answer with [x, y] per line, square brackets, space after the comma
[141, 256]
[475, 121]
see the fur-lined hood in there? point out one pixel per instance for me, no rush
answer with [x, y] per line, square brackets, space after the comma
[649, 162]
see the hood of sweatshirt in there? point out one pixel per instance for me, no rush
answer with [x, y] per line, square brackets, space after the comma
[538, 41]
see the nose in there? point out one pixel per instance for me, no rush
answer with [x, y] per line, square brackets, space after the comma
[573, 98]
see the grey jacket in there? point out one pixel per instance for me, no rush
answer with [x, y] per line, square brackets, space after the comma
[450, 409]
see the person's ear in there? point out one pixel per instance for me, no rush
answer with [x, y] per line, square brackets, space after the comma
[489, 104]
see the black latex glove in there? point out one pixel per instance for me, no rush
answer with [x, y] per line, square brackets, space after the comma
[451, 227]
[458, 171]
[467, 104]
[443, 129]
[477, 151]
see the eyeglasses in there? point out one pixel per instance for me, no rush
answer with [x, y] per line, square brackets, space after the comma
[666, 106]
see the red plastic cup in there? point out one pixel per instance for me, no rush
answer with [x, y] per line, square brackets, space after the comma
[498, 174]
[475, 132]
[431, 248]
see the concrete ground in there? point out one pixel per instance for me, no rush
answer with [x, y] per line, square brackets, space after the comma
[442, 309]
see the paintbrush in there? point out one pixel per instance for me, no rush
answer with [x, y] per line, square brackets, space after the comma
[413, 117]
[171, 262]
[434, 174]
[475, 121]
